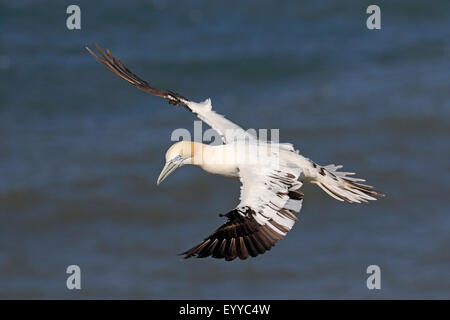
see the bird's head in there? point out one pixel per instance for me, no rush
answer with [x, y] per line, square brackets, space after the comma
[178, 155]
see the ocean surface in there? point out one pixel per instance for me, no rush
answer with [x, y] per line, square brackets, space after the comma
[80, 149]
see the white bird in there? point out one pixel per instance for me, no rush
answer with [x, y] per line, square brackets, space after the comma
[271, 175]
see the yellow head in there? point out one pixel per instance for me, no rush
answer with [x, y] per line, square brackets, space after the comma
[178, 155]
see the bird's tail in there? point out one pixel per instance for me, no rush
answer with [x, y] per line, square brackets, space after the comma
[341, 185]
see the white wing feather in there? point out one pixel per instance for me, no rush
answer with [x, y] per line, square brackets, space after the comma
[265, 189]
[227, 129]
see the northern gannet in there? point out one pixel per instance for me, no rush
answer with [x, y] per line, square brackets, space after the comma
[271, 175]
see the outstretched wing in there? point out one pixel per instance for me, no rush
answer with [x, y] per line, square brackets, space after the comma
[269, 196]
[228, 130]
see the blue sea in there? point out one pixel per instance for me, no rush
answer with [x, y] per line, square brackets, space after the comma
[80, 149]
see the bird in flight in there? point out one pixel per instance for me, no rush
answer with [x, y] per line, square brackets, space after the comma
[271, 175]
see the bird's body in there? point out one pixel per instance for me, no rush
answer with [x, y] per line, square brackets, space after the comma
[227, 159]
[271, 175]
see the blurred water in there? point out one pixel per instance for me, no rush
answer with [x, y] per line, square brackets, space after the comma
[80, 150]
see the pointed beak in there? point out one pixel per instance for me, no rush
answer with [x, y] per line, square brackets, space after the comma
[169, 167]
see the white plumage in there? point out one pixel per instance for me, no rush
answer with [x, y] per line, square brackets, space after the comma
[271, 175]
